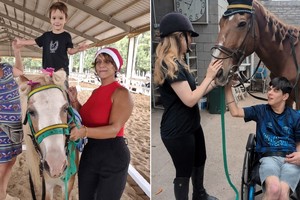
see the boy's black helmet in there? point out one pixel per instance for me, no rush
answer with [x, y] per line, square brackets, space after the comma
[175, 22]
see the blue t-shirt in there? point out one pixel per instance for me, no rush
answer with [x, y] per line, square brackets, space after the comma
[274, 132]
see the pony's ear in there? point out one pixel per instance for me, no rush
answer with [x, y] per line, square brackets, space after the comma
[24, 88]
[59, 77]
[22, 79]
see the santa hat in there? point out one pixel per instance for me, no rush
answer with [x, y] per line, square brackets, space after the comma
[114, 53]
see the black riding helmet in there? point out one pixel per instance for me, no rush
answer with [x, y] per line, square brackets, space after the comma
[175, 22]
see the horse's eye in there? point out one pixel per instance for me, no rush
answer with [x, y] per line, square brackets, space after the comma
[242, 24]
[31, 113]
[65, 109]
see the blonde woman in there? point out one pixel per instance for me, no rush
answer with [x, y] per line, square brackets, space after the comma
[181, 131]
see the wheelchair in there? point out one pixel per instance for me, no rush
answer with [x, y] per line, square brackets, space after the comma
[250, 183]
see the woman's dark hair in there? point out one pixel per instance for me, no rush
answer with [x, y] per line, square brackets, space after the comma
[107, 58]
[282, 84]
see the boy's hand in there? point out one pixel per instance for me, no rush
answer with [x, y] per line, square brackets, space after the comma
[293, 158]
[82, 47]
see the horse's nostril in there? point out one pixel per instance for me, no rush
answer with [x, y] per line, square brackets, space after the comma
[46, 166]
[219, 73]
[233, 69]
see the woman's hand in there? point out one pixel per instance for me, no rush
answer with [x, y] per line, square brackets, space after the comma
[77, 133]
[213, 68]
[73, 94]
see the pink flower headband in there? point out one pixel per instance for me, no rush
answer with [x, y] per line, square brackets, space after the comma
[49, 71]
[32, 83]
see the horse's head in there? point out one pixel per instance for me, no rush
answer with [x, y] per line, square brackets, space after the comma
[46, 113]
[236, 40]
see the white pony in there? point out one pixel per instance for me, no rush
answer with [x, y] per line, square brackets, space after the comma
[44, 111]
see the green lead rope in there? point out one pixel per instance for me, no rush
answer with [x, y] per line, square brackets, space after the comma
[71, 169]
[222, 99]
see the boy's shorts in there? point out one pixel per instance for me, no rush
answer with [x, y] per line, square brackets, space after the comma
[276, 166]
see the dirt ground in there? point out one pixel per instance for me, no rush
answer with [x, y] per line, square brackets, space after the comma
[216, 183]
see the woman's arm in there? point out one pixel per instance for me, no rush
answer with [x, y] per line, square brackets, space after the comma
[18, 69]
[189, 97]
[122, 106]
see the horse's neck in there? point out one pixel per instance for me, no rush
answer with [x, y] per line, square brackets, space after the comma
[272, 53]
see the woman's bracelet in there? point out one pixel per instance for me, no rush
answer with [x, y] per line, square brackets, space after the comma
[230, 102]
[85, 131]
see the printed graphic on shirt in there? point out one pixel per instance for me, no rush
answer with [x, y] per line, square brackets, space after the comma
[53, 46]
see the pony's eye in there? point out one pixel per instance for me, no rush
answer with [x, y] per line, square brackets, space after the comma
[242, 24]
[31, 113]
[65, 109]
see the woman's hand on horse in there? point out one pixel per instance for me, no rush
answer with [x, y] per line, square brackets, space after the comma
[77, 134]
[72, 94]
[213, 68]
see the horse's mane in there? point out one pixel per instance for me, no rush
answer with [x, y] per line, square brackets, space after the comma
[276, 26]
[32, 157]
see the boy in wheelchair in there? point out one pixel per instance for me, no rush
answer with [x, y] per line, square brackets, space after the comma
[277, 138]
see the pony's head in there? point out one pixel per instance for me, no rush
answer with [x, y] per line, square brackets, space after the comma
[236, 40]
[44, 110]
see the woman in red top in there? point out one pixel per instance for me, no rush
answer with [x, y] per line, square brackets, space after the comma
[105, 159]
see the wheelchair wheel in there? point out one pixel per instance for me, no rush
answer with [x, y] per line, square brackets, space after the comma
[248, 185]
[247, 189]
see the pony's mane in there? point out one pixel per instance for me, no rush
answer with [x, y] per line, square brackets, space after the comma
[276, 26]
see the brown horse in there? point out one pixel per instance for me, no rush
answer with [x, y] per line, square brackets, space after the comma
[261, 32]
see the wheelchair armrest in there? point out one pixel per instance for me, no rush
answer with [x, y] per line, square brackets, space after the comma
[250, 143]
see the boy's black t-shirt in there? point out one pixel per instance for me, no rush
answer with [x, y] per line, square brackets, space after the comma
[178, 119]
[55, 47]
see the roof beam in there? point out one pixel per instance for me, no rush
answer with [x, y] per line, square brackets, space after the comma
[21, 23]
[99, 15]
[46, 19]
[17, 30]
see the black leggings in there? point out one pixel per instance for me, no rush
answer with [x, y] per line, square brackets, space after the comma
[103, 169]
[187, 152]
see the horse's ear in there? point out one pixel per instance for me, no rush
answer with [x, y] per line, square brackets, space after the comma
[24, 88]
[22, 79]
[59, 77]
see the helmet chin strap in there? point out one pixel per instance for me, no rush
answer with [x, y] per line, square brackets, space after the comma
[188, 49]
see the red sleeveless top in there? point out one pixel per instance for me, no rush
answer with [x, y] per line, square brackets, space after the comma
[96, 111]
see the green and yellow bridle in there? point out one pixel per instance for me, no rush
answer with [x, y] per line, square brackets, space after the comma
[62, 128]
